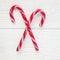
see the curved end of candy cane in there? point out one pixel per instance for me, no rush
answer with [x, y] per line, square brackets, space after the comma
[11, 13]
[41, 23]
[43, 18]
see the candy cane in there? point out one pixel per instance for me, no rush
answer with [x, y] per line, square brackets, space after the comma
[27, 23]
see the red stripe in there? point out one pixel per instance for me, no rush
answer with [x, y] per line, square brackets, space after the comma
[42, 21]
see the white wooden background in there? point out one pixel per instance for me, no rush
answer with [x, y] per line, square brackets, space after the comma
[47, 37]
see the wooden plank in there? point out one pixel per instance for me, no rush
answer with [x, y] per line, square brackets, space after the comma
[48, 42]
[52, 10]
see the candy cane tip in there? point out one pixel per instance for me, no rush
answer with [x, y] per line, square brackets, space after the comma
[17, 50]
[37, 49]
[13, 21]
[42, 21]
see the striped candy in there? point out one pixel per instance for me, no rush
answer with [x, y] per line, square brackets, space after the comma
[27, 23]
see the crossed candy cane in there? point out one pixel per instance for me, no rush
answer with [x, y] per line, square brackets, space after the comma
[27, 23]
